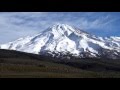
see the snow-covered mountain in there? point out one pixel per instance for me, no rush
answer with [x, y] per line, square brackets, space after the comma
[62, 39]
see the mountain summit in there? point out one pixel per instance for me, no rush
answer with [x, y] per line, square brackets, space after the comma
[61, 39]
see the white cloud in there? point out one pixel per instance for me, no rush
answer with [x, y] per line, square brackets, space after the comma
[17, 24]
[97, 23]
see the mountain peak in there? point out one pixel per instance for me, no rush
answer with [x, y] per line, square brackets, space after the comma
[61, 26]
[62, 39]
[61, 29]
[66, 29]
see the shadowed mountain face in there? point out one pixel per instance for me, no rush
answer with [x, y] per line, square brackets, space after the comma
[61, 39]
[18, 64]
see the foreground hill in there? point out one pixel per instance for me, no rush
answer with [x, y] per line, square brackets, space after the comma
[18, 64]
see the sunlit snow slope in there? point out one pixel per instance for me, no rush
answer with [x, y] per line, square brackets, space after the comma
[62, 38]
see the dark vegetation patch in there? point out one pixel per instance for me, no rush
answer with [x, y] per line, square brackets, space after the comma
[20, 64]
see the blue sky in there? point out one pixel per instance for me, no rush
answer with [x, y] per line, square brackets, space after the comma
[14, 25]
